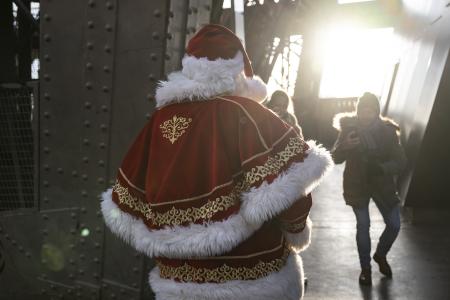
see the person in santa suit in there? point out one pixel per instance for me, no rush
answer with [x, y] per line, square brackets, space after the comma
[216, 188]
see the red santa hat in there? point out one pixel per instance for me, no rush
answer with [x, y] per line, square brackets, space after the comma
[216, 41]
[215, 63]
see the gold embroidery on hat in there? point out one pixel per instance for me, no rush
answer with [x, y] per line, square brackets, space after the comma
[173, 128]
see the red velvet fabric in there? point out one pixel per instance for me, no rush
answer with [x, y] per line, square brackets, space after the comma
[216, 41]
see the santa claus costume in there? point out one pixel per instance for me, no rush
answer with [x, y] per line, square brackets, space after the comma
[216, 188]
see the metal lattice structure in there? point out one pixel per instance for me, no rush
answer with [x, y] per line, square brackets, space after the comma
[17, 140]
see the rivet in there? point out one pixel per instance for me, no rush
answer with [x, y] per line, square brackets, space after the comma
[85, 159]
[89, 66]
[102, 145]
[47, 17]
[105, 89]
[83, 210]
[151, 77]
[88, 85]
[46, 96]
[157, 13]
[97, 245]
[46, 200]
[167, 56]
[82, 256]
[104, 108]
[81, 272]
[47, 38]
[108, 27]
[169, 36]
[72, 246]
[45, 183]
[87, 124]
[87, 105]
[13, 242]
[90, 45]
[46, 150]
[135, 285]
[109, 5]
[91, 3]
[47, 57]
[84, 177]
[73, 215]
[107, 49]
[148, 116]
[106, 69]
[86, 142]
[101, 180]
[46, 167]
[135, 270]
[60, 170]
[84, 193]
[74, 173]
[103, 127]
[90, 24]
[21, 249]
[46, 132]
[96, 260]
[153, 57]
[73, 231]
[45, 232]
[71, 276]
[101, 163]
[46, 115]
[47, 77]
[207, 7]
[155, 36]
[98, 229]
[45, 217]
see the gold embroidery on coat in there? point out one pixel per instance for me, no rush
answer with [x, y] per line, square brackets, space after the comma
[187, 273]
[173, 128]
[176, 216]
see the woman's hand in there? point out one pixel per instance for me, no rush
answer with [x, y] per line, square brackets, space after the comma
[350, 141]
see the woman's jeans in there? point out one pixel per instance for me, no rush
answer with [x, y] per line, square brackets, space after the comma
[391, 218]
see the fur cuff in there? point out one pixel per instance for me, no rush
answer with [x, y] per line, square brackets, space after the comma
[300, 241]
[268, 200]
[176, 242]
[287, 284]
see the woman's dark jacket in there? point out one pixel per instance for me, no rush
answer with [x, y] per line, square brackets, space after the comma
[372, 166]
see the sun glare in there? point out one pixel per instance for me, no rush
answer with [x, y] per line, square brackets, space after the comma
[355, 60]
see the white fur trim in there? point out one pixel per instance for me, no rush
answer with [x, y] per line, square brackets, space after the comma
[176, 242]
[287, 284]
[268, 200]
[201, 79]
[252, 88]
[300, 241]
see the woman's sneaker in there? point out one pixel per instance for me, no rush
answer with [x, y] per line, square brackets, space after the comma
[385, 268]
[365, 278]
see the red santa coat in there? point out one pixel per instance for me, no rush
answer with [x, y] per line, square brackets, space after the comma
[217, 191]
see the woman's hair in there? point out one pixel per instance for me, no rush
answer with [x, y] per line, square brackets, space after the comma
[279, 94]
[368, 100]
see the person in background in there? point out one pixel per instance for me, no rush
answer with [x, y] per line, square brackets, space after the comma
[370, 146]
[279, 103]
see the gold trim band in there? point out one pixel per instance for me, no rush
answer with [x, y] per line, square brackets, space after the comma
[224, 273]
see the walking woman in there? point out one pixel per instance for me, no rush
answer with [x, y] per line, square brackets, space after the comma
[370, 146]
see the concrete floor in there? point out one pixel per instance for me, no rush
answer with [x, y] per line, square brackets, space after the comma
[420, 258]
